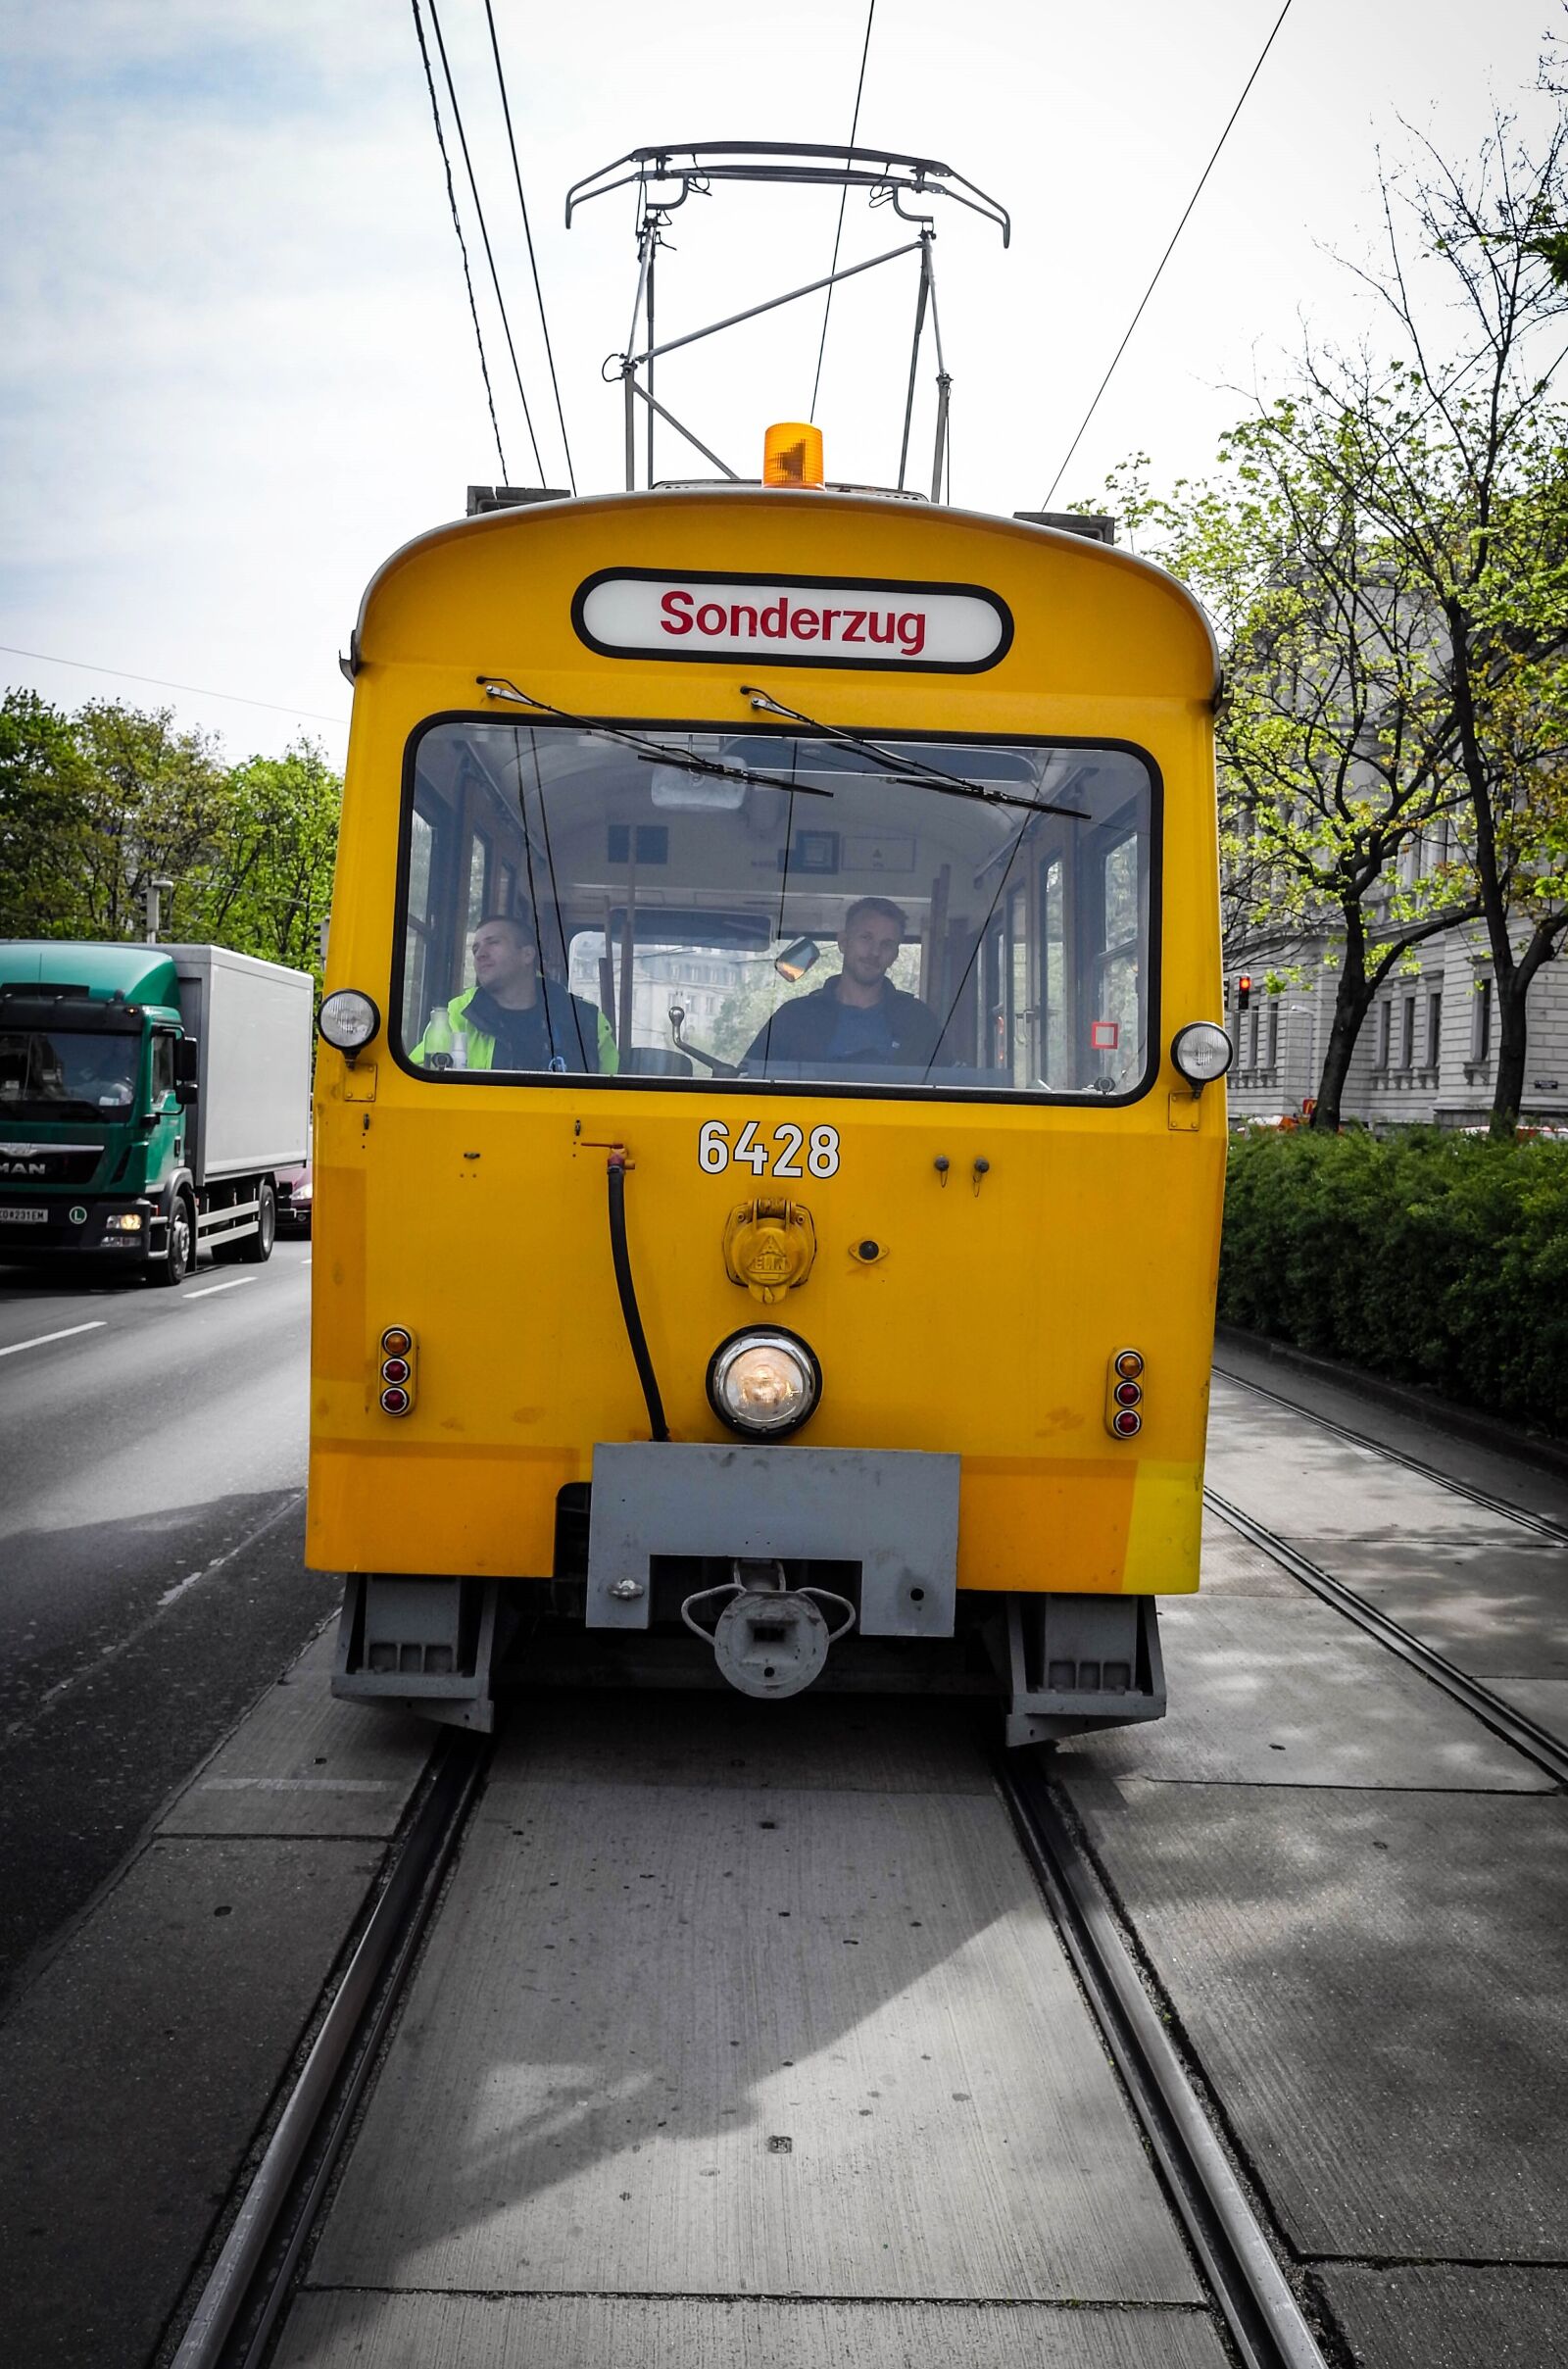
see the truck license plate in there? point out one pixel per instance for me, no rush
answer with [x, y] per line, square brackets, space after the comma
[14, 1214]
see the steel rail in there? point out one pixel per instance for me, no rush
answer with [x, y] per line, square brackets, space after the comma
[1542, 1523]
[303, 2151]
[1265, 2322]
[1522, 1734]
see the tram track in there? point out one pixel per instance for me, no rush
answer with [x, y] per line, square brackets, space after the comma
[248, 2289]
[1541, 1524]
[238, 2307]
[1253, 2296]
[1524, 1734]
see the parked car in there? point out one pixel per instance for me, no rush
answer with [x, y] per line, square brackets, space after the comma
[294, 1196]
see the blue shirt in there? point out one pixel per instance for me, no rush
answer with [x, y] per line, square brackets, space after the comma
[860, 1034]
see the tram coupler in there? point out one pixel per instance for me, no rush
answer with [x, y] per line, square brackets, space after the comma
[769, 1639]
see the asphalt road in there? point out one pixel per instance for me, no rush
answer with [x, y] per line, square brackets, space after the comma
[151, 1574]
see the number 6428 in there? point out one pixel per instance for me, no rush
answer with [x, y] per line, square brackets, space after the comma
[777, 1154]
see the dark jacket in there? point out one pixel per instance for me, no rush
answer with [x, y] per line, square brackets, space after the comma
[803, 1029]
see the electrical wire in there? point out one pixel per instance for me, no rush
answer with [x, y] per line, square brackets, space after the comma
[527, 233]
[468, 276]
[1165, 258]
[489, 256]
[81, 666]
[855, 125]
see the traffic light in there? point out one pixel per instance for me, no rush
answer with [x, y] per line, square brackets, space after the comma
[1244, 991]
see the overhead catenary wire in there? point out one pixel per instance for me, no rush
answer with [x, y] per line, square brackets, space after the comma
[527, 233]
[855, 125]
[463, 248]
[485, 235]
[238, 699]
[1165, 258]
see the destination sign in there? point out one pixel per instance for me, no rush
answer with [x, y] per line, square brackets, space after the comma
[806, 621]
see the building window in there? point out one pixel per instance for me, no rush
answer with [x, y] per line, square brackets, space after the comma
[1407, 1033]
[1435, 1028]
[1481, 1023]
[1380, 1057]
[1273, 1032]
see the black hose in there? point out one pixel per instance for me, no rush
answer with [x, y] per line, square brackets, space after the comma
[628, 1297]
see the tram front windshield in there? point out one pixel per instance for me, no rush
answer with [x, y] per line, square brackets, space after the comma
[921, 917]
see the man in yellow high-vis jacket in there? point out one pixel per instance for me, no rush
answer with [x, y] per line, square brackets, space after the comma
[515, 1019]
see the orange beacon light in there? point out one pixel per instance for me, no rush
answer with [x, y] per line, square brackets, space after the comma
[792, 453]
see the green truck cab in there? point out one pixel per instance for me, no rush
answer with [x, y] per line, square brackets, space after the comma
[148, 1097]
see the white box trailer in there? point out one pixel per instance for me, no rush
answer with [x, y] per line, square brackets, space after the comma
[253, 1024]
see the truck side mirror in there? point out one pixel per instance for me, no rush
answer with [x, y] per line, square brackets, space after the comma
[186, 1086]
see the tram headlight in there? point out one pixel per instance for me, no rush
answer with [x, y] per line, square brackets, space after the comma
[1201, 1052]
[763, 1383]
[348, 1020]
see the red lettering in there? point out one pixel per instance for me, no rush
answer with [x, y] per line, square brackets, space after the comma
[871, 617]
[853, 620]
[828, 615]
[804, 625]
[775, 622]
[911, 631]
[735, 625]
[676, 607]
[711, 618]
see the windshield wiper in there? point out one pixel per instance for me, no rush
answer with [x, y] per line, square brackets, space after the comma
[662, 752]
[909, 769]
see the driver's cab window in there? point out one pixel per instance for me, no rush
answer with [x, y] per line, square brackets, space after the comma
[163, 1067]
[930, 916]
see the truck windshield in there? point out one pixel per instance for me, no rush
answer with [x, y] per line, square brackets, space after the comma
[768, 905]
[65, 1073]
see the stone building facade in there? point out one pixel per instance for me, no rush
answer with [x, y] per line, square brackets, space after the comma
[1426, 1054]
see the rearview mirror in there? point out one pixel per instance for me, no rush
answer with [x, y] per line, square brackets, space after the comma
[797, 959]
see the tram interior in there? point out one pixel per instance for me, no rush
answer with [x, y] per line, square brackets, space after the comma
[709, 874]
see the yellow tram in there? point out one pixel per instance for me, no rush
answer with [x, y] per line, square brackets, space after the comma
[770, 1126]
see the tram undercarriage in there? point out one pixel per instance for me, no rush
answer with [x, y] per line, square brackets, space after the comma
[640, 1597]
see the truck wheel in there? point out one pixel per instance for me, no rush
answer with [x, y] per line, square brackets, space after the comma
[181, 1245]
[257, 1248]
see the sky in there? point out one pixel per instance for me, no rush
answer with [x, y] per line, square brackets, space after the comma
[237, 368]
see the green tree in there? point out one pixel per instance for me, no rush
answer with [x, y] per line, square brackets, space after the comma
[95, 807]
[1336, 735]
[42, 783]
[155, 805]
[269, 886]
[1386, 552]
[1454, 460]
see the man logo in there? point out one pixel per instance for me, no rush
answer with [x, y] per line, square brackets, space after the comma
[24, 1167]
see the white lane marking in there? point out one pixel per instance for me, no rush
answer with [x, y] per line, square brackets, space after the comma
[237, 1284]
[96, 1326]
[300, 1785]
[112, 1652]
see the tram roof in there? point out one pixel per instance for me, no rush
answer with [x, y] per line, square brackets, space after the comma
[899, 518]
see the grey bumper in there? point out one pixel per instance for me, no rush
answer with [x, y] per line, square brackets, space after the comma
[894, 1512]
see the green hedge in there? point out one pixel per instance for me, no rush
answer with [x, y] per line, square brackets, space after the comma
[1440, 1259]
